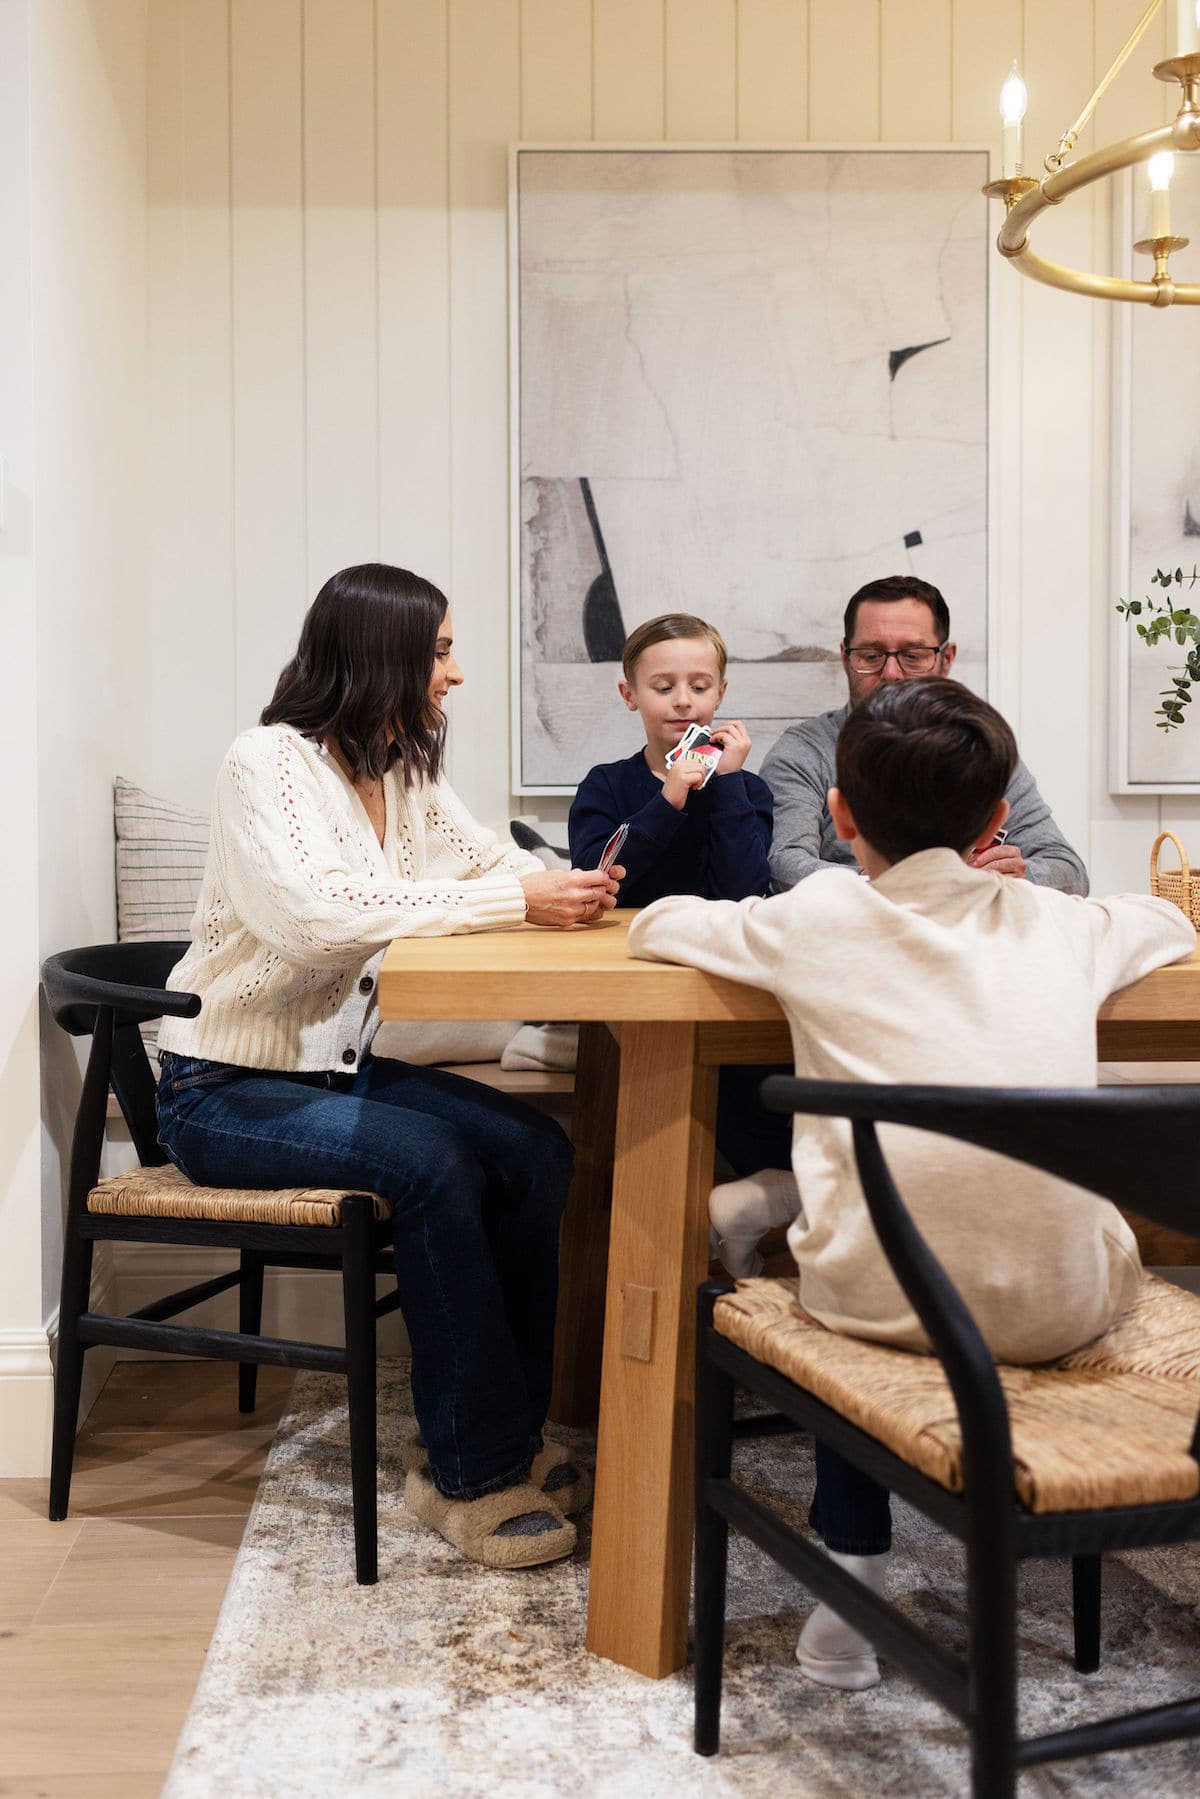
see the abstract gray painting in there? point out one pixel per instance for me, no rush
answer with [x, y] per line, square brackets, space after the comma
[747, 381]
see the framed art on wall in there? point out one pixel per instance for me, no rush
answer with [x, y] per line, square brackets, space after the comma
[1156, 504]
[744, 381]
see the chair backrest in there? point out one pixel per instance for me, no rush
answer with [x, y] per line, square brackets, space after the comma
[106, 991]
[1137, 1146]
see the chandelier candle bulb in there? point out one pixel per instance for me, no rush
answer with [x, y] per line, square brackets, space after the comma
[1187, 27]
[1013, 100]
[1161, 169]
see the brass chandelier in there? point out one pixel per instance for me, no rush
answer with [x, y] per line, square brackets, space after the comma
[1025, 196]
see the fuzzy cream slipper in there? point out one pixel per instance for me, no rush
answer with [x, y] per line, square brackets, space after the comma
[515, 1528]
[563, 1480]
[413, 1453]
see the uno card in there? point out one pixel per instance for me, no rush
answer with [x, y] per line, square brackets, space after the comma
[696, 746]
[1000, 837]
[612, 847]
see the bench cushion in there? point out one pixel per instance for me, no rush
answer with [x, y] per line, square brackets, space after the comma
[167, 1193]
[1109, 1425]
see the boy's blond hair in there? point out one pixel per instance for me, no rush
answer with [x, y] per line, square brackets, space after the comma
[662, 630]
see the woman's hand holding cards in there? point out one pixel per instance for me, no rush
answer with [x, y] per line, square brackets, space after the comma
[561, 897]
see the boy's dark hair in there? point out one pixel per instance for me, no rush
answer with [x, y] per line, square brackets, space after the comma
[899, 587]
[922, 765]
[661, 630]
[363, 667]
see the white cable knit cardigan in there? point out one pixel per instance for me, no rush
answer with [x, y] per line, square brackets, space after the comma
[299, 902]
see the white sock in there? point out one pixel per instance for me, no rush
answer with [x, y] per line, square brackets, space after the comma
[829, 1651]
[743, 1211]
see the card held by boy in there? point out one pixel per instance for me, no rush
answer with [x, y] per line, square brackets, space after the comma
[696, 746]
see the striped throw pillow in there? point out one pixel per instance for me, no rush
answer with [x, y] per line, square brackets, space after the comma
[161, 849]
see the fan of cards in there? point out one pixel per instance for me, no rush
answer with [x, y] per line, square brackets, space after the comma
[696, 746]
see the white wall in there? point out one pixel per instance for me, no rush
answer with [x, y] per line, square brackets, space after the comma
[24, 1354]
[297, 359]
[73, 574]
[327, 307]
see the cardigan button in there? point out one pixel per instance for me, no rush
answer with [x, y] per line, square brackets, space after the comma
[366, 984]
[349, 1055]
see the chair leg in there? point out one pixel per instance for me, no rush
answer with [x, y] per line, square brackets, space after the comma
[992, 1629]
[714, 1448]
[1085, 1596]
[358, 1291]
[250, 1295]
[68, 1374]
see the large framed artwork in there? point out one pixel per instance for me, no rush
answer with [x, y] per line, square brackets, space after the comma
[1156, 479]
[744, 381]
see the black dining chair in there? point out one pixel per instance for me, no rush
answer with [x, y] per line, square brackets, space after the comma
[107, 992]
[941, 1430]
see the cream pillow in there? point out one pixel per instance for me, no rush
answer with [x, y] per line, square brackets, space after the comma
[161, 849]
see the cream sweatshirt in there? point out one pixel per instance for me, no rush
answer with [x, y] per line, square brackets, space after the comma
[299, 902]
[940, 973]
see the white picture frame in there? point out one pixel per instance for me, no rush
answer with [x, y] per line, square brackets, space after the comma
[1155, 473]
[962, 562]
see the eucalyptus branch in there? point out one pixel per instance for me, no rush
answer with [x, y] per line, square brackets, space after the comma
[1158, 618]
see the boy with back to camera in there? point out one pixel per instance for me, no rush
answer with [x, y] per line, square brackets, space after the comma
[691, 831]
[938, 972]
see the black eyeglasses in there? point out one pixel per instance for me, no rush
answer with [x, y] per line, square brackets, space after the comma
[914, 659]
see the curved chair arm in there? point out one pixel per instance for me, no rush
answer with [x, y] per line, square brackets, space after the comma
[76, 983]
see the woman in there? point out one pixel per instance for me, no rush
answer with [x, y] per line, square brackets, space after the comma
[333, 832]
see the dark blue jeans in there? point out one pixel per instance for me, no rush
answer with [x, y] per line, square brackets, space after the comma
[851, 1511]
[477, 1182]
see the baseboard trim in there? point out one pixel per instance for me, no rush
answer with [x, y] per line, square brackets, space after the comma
[26, 1404]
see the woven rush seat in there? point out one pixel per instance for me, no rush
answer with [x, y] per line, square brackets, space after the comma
[166, 1192]
[1109, 1425]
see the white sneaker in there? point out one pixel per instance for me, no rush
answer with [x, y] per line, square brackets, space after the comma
[829, 1651]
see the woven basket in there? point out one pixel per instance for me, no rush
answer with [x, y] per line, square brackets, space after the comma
[1176, 885]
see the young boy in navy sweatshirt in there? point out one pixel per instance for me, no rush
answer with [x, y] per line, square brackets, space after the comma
[687, 836]
[711, 841]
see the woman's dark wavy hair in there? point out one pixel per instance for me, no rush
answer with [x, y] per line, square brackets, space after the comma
[363, 665]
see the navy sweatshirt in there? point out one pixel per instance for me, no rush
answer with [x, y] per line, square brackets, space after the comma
[717, 847]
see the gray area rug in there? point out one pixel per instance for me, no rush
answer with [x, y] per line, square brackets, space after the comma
[450, 1679]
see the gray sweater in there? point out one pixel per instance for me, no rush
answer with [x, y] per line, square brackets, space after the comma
[800, 769]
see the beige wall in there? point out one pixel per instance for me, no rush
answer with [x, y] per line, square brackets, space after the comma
[73, 578]
[327, 307]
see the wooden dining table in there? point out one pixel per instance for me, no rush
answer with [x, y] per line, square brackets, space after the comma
[635, 1236]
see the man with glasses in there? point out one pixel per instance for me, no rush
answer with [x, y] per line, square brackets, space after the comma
[896, 629]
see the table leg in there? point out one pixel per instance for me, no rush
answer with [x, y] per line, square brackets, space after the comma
[583, 1253]
[658, 1254]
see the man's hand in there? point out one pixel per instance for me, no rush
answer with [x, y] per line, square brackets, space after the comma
[562, 897]
[1002, 859]
[734, 740]
[681, 777]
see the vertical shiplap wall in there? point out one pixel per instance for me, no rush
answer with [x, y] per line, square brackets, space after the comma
[328, 342]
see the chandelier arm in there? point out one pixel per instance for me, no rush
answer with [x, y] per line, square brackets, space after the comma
[1094, 167]
[1069, 138]
[1101, 287]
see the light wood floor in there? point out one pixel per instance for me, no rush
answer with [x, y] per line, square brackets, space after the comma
[105, 1618]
